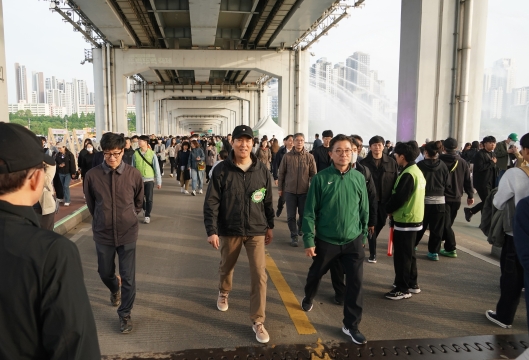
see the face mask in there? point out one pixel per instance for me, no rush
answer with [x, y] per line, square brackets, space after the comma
[135, 145]
[89, 149]
[511, 143]
[354, 157]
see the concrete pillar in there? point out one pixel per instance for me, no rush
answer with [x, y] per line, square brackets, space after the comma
[120, 99]
[139, 112]
[151, 120]
[4, 112]
[426, 71]
[301, 93]
[99, 92]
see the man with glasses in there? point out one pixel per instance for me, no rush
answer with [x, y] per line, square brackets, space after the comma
[295, 172]
[114, 196]
[334, 225]
[145, 161]
[44, 307]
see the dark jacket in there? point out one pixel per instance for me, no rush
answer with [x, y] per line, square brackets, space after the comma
[232, 206]
[468, 155]
[322, 158]
[44, 305]
[384, 176]
[182, 158]
[98, 159]
[127, 155]
[371, 193]
[458, 179]
[85, 161]
[436, 174]
[114, 198]
[277, 161]
[484, 170]
[403, 192]
[69, 163]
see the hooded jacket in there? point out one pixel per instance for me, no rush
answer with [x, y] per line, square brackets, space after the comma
[458, 178]
[235, 204]
[436, 174]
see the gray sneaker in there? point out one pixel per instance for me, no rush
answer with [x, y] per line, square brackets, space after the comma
[294, 241]
[260, 333]
[222, 301]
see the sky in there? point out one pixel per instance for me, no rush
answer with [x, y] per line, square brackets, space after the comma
[43, 42]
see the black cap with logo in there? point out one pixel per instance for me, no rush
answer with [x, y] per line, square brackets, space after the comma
[20, 149]
[242, 130]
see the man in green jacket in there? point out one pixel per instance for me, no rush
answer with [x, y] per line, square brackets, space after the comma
[334, 227]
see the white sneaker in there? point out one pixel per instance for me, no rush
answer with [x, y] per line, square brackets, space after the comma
[194, 193]
[66, 204]
[222, 301]
[261, 334]
[186, 192]
[171, 175]
[182, 190]
[200, 191]
[61, 200]
[147, 220]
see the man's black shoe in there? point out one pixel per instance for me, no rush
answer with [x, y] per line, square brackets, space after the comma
[294, 242]
[338, 300]
[355, 335]
[372, 259]
[468, 214]
[305, 305]
[125, 324]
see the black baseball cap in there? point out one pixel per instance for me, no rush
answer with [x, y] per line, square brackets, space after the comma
[14, 137]
[450, 144]
[242, 130]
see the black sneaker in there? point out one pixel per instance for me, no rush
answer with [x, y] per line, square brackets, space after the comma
[415, 289]
[125, 324]
[372, 259]
[300, 233]
[115, 299]
[468, 214]
[355, 335]
[338, 300]
[294, 242]
[397, 295]
[278, 212]
[491, 315]
[306, 306]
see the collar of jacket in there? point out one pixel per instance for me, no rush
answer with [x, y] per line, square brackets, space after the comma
[339, 172]
[25, 212]
[302, 152]
[108, 169]
[385, 158]
[231, 161]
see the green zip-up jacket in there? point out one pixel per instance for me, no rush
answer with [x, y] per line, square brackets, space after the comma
[337, 207]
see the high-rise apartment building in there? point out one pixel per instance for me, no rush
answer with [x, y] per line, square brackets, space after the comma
[358, 69]
[23, 91]
[39, 86]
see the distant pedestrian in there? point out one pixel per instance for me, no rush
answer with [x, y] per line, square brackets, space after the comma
[317, 141]
[288, 145]
[238, 208]
[66, 169]
[197, 166]
[321, 153]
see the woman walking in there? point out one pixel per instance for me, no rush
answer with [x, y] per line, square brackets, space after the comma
[264, 154]
[159, 150]
[66, 168]
[197, 165]
[171, 151]
[181, 161]
[86, 158]
[211, 158]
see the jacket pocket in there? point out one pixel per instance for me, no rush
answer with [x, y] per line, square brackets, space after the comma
[231, 210]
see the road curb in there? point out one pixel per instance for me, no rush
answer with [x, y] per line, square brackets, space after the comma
[67, 223]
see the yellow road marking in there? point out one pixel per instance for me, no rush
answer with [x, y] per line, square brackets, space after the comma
[298, 316]
[80, 182]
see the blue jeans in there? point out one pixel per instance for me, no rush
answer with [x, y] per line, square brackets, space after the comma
[197, 179]
[65, 181]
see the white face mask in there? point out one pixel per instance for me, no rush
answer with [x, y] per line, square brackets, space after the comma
[512, 143]
[89, 149]
[354, 157]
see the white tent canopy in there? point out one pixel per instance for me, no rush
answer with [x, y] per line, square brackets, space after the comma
[267, 126]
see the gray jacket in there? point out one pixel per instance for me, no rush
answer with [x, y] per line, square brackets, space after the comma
[295, 171]
[494, 222]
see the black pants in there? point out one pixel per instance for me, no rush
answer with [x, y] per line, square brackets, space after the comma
[404, 260]
[208, 169]
[295, 202]
[148, 190]
[483, 194]
[511, 282]
[351, 256]
[106, 267]
[381, 222]
[172, 160]
[449, 237]
[280, 204]
[160, 163]
[59, 192]
[434, 218]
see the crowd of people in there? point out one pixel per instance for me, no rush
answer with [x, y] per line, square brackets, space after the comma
[338, 194]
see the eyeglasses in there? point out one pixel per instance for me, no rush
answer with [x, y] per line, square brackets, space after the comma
[346, 152]
[115, 155]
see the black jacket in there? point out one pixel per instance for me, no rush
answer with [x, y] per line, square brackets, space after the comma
[458, 179]
[277, 161]
[127, 156]
[484, 172]
[469, 155]
[436, 174]
[384, 176]
[231, 207]
[69, 163]
[403, 192]
[371, 193]
[322, 158]
[44, 305]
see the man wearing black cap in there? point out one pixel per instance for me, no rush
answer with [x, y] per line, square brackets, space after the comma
[238, 208]
[44, 306]
[459, 180]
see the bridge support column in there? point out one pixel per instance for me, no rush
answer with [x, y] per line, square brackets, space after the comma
[139, 112]
[99, 91]
[4, 112]
[431, 71]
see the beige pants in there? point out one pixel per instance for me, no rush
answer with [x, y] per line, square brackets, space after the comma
[230, 248]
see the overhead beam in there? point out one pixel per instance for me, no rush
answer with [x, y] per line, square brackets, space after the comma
[204, 16]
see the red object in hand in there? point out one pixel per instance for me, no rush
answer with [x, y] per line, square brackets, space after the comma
[390, 242]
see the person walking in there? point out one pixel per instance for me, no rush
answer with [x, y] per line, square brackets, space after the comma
[128, 152]
[459, 181]
[44, 305]
[172, 150]
[484, 174]
[145, 161]
[317, 141]
[264, 154]
[505, 155]
[111, 188]
[295, 172]
[288, 144]
[197, 165]
[66, 169]
[182, 161]
[337, 195]
[321, 153]
[238, 210]
[47, 206]
[384, 171]
[211, 157]
[159, 150]
[406, 207]
[436, 174]
[514, 185]
[86, 159]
